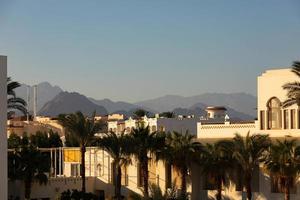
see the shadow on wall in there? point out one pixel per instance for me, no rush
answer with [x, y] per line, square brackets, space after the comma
[56, 186]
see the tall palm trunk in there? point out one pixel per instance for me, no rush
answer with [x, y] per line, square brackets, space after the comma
[82, 171]
[183, 172]
[27, 183]
[287, 189]
[118, 182]
[219, 188]
[145, 177]
[248, 187]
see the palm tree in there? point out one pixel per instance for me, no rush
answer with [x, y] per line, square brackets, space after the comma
[167, 114]
[293, 88]
[117, 146]
[83, 129]
[139, 113]
[181, 151]
[143, 143]
[283, 163]
[216, 162]
[28, 164]
[247, 152]
[14, 102]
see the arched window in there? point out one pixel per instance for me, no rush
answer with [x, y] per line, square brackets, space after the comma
[274, 113]
[99, 168]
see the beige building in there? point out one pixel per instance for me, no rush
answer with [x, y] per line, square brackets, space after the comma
[272, 120]
[42, 124]
[110, 117]
[156, 124]
[3, 139]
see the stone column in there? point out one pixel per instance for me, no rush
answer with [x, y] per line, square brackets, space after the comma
[3, 134]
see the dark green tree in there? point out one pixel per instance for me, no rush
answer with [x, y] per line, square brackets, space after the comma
[28, 164]
[181, 150]
[14, 141]
[45, 140]
[283, 163]
[167, 114]
[39, 139]
[139, 113]
[216, 161]
[117, 147]
[83, 130]
[54, 139]
[143, 143]
[248, 152]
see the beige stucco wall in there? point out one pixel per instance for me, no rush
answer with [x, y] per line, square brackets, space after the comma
[225, 130]
[269, 85]
[3, 116]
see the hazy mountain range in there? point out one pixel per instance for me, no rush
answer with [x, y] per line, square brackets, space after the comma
[52, 100]
[46, 92]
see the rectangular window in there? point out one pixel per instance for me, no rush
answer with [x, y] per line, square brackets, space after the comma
[75, 169]
[286, 119]
[262, 120]
[293, 119]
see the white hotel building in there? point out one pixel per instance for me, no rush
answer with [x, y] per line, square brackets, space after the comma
[272, 120]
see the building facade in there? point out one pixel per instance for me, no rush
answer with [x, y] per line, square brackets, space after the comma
[3, 117]
[178, 124]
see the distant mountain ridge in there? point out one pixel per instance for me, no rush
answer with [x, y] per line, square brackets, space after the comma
[45, 92]
[112, 106]
[70, 102]
[241, 102]
[239, 105]
[198, 110]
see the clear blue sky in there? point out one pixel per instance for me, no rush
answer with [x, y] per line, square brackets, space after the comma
[136, 49]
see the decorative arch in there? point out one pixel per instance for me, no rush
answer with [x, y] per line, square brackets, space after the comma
[274, 113]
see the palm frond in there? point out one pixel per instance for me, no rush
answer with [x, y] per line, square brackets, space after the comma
[289, 102]
[291, 86]
[11, 86]
[296, 68]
